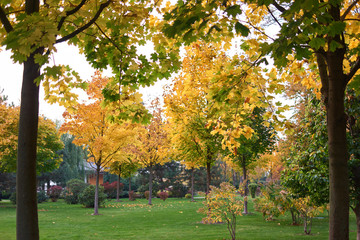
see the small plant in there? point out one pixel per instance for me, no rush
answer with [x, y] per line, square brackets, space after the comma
[147, 194]
[54, 193]
[252, 188]
[13, 198]
[132, 196]
[42, 197]
[188, 195]
[111, 188]
[163, 195]
[222, 205]
[307, 211]
[87, 197]
[73, 189]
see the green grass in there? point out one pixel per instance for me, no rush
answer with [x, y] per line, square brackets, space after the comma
[172, 219]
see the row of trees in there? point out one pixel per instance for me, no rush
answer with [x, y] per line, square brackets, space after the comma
[317, 45]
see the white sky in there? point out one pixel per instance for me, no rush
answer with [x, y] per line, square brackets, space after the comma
[11, 78]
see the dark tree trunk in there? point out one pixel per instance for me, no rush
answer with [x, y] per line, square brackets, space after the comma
[118, 189]
[208, 177]
[338, 153]
[150, 184]
[192, 184]
[96, 203]
[26, 210]
[234, 177]
[246, 191]
[129, 184]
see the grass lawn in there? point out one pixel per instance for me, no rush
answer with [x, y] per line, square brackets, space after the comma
[172, 219]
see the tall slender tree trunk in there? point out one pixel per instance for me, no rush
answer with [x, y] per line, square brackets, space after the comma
[338, 153]
[208, 177]
[96, 202]
[192, 184]
[26, 196]
[129, 184]
[234, 177]
[246, 190]
[150, 183]
[118, 189]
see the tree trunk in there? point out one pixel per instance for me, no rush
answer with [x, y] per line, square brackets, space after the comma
[118, 189]
[150, 184]
[26, 196]
[208, 177]
[338, 153]
[129, 184]
[96, 202]
[192, 184]
[234, 177]
[246, 191]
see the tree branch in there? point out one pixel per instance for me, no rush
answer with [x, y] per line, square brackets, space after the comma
[86, 26]
[278, 7]
[115, 45]
[5, 21]
[353, 70]
[272, 15]
[342, 18]
[321, 62]
[71, 12]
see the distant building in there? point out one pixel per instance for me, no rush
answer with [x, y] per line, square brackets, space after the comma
[90, 174]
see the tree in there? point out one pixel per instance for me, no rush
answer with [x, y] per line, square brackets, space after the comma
[107, 32]
[153, 148]
[48, 142]
[123, 168]
[190, 109]
[261, 141]
[102, 139]
[306, 172]
[222, 205]
[73, 164]
[315, 31]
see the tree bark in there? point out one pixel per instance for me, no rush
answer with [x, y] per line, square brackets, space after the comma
[96, 202]
[208, 177]
[192, 184]
[246, 192]
[26, 196]
[338, 153]
[150, 184]
[118, 189]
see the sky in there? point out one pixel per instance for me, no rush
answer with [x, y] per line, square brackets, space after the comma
[11, 78]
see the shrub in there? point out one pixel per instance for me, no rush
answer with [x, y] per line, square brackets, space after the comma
[147, 194]
[13, 198]
[42, 197]
[188, 195]
[178, 190]
[307, 211]
[221, 205]
[87, 197]
[252, 188]
[143, 188]
[163, 195]
[54, 193]
[5, 195]
[132, 196]
[73, 189]
[110, 189]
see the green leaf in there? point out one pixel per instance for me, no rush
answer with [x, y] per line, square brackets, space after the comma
[355, 84]
[317, 43]
[233, 10]
[243, 30]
